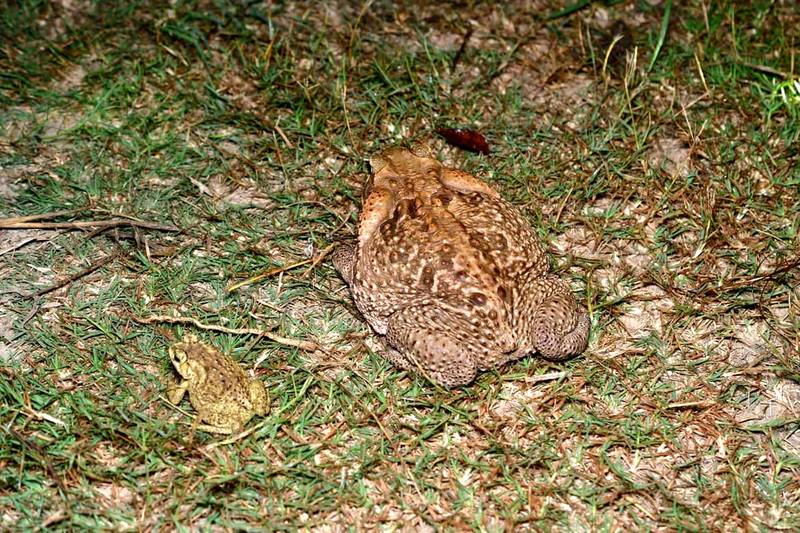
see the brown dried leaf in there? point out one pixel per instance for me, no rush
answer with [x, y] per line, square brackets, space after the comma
[470, 140]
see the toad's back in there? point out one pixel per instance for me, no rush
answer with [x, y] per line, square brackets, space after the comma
[444, 235]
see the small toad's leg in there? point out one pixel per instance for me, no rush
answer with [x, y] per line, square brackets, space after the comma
[259, 398]
[226, 429]
[421, 347]
[221, 430]
[175, 392]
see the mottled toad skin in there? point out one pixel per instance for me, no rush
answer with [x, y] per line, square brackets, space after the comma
[224, 397]
[452, 275]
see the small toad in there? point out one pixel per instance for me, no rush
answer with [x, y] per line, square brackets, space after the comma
[224, 397]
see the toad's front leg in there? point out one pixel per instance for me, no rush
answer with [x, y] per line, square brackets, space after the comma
[176, 391]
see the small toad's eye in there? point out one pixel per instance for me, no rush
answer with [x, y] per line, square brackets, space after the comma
[179, 356]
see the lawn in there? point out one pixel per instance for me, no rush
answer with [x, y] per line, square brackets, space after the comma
[184, 167]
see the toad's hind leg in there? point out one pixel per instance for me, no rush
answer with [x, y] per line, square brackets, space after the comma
[554, 323]
[418, 345]
[226, 428]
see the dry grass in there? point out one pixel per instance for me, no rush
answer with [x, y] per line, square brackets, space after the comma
[667, 189]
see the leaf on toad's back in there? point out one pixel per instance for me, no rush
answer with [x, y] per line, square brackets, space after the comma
[465, 139]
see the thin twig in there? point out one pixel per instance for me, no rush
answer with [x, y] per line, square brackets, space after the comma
[317, 260]
[788, 266]
[461, 49]
[75, 277]
[700, 404]
[766, 69]
[269, 273]
[277, 128]
[20, 244]
[550, 376]
[38, 454]
[40, 216]
[35, 306]
[14, 223]
[277, 270]
[303, 345]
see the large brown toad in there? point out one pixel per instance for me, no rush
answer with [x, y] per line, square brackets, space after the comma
[452, 274]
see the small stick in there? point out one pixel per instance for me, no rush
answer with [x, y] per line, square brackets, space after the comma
[303, 345]
[766, 69]
[550, 376]
[267, 274]
[461, 49]
[15, 223]
[41, 216]
[701, 404]
[73, 278]
[19, 245]
[788, 266]
[317, 260]
[277, 128]
[38, 454]
[277, 270]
